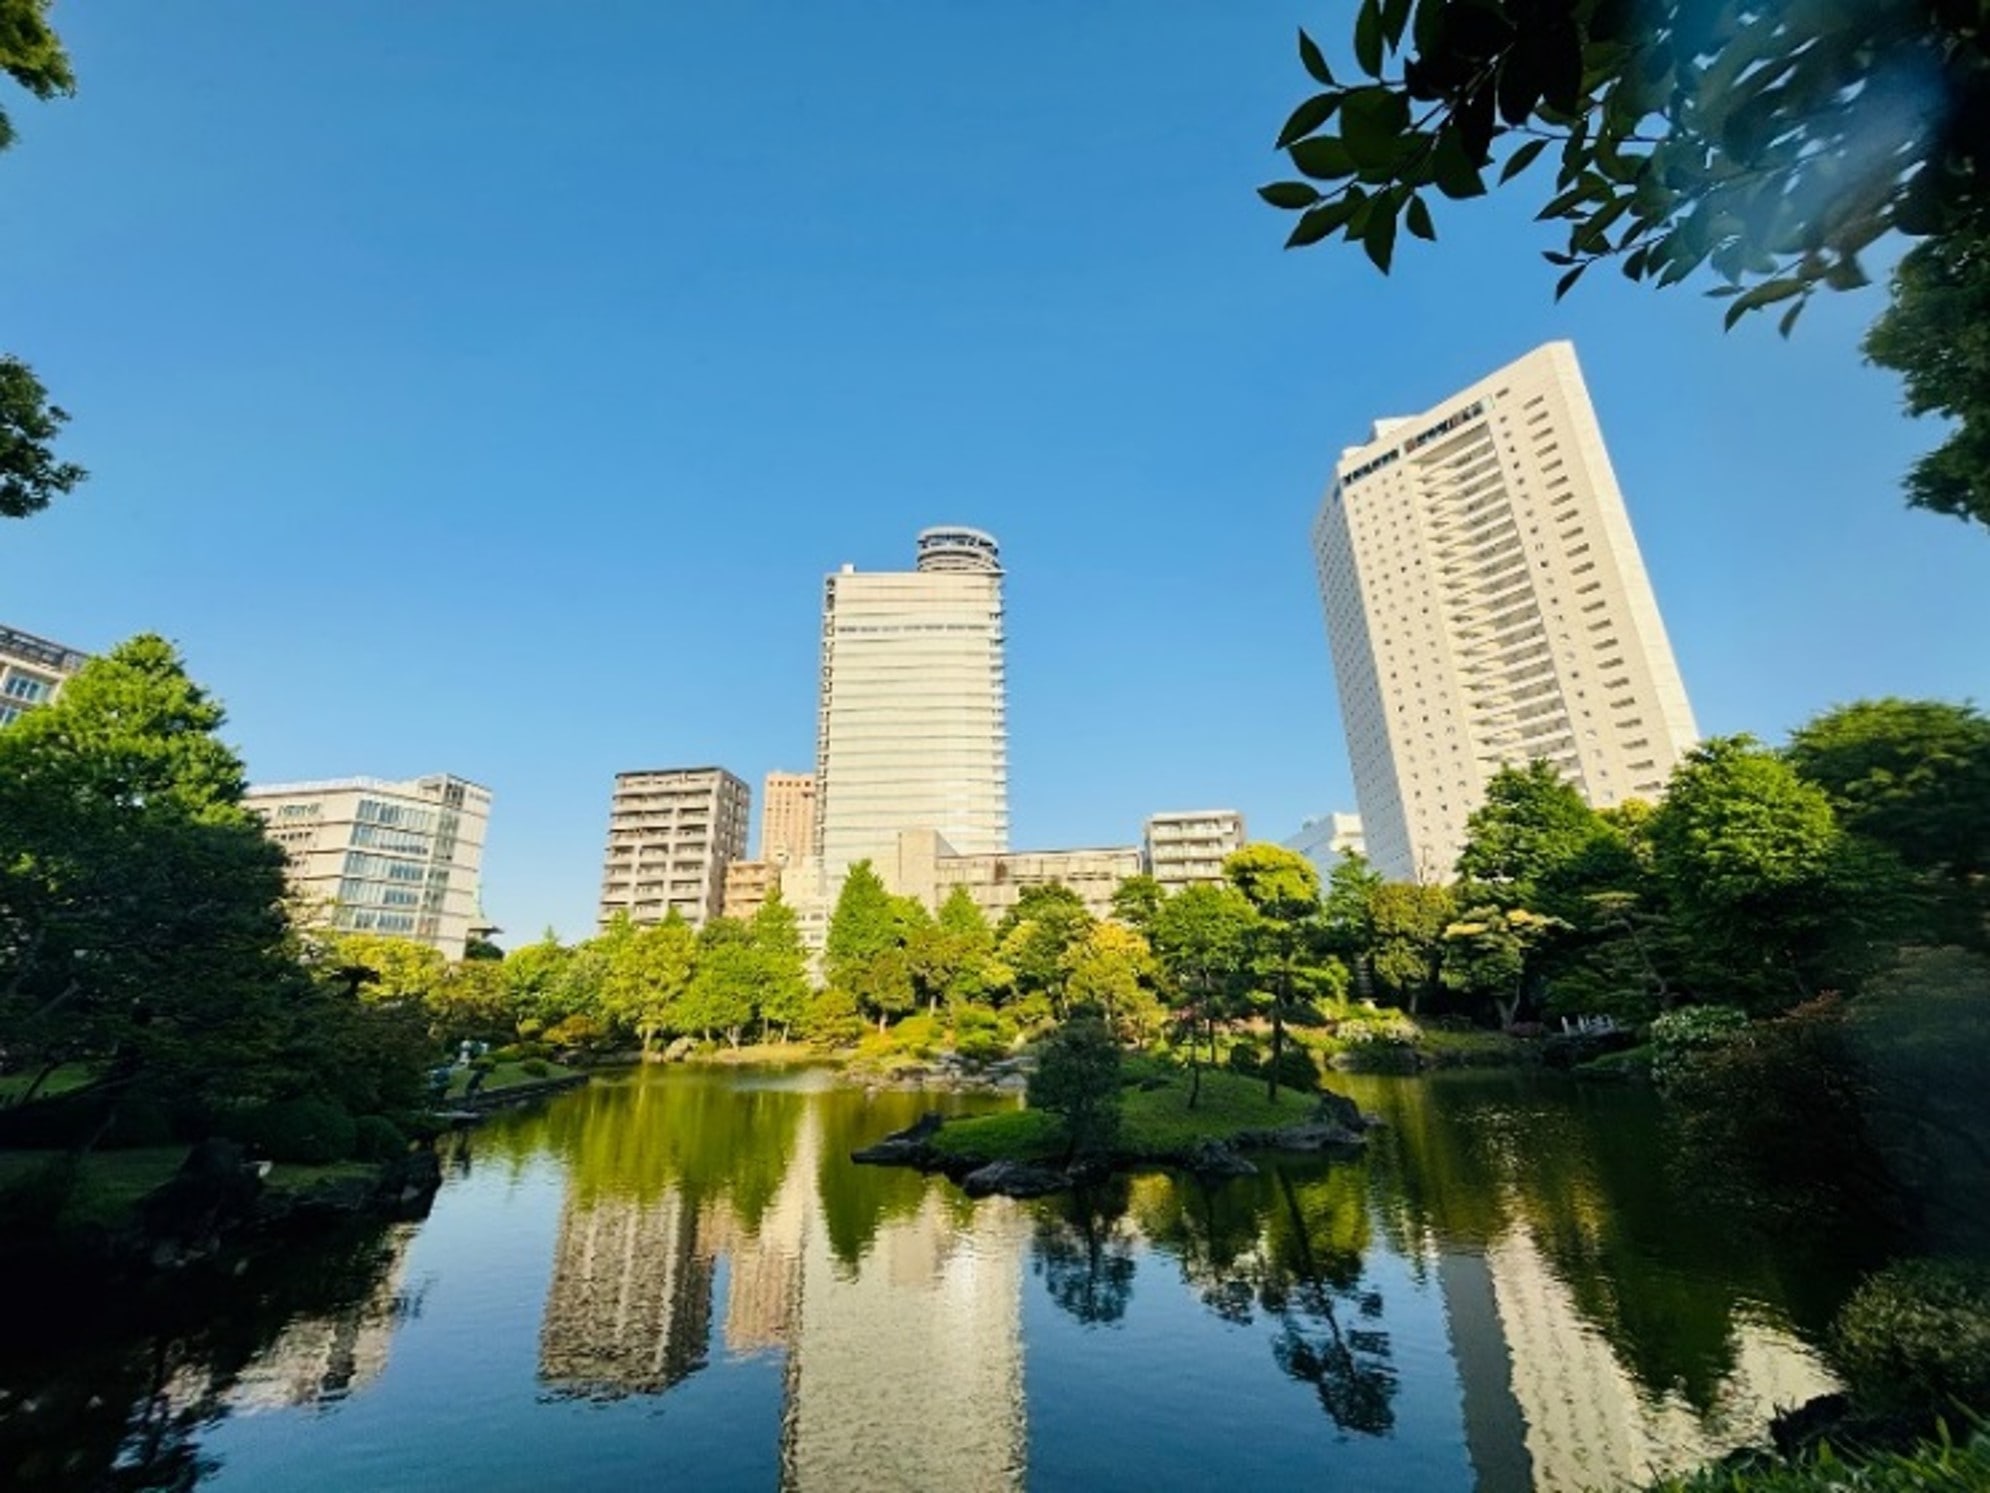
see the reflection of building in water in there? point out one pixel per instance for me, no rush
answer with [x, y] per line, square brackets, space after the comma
[630, 1307]
[764, 1265]
[322, 1358]
[1549, 1406]
[908, 1373]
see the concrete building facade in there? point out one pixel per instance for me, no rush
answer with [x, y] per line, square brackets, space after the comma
[747, 885]
[367, 855]
[1186, 848]
[787, 817]
[925, 866]
[32, 670]
[1486, 603]
[671, 834]
[1328, 840]
[912, 731]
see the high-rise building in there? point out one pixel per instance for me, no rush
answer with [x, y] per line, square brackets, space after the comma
[671, 833]
[787, 817]
[1186, 848]
[1486, 604]
[371, 856]
[747, 886]
[1328, 840]
[912, 730]
[31, 671]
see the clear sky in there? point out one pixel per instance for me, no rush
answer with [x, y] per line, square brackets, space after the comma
[485, 387]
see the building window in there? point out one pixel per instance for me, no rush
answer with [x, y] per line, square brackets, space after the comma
[31, 688]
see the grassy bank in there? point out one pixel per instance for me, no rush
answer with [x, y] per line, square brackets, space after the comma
[1155, 1120]
[110, 1184]
[508, 1076]
[1930, 1468]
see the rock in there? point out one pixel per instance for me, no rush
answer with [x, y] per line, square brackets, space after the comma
[679, 1050]
[214, 1189]
[1340, 1110]
[1313, 1135]
[908, 1147]
[1797, 1431]
[408, 1184]
[1214, 1158]
[1016, 1179]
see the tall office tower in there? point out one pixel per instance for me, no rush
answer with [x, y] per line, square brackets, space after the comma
[671, 834]
[377, 857]
[1486, 604]
[1187, 848]
[912, 731]
[31, 671]
[787, 817]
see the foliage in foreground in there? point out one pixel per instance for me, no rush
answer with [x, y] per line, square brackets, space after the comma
[1938, 1466]
[1916, 1336]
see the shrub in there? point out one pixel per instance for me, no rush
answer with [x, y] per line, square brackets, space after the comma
[830, 1018]
[377, 1138]
[918, 1035]
[1077, 1076]
[535, 1068]
[309, 1131]
[1677, 1036]
[980, 1035]
[511, 1052]
[1916, 1336]
[37, 1197]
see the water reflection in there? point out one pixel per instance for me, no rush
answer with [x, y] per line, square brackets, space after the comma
[1503, 1294]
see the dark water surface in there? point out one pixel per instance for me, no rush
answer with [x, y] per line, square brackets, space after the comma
[676, 1279]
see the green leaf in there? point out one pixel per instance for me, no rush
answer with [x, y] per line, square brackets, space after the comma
[1417, 219]
[1452, 169]
[1395, 16]
[1324, 158]
[1567, 282]
[1318, 223]
[1379, 237]
[1372, 123]
[1308, 117]
[1314, 60]
[1428, 32]
[1789, 321]
[1290, 195]
[1520, 160]
[1766, 294]
[1368, 38]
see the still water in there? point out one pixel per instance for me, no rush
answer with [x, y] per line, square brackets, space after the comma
[676, 1279]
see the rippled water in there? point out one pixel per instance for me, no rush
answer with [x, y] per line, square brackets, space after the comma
[677, 1279]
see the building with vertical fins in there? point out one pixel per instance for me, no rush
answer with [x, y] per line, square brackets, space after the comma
[1486, 604]
[787, 817]
[912, 731]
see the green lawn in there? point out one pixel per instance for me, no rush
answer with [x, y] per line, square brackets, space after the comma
[504, 1076]
[111, 1183]
[1154, 1123]
[69, 1076]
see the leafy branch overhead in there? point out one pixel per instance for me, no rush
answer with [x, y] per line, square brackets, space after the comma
[1769, 142]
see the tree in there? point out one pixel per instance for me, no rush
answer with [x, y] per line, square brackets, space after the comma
[1284, 891]
[1531, 824]
[30, 475]
[725, 983]
[1136, 900]
[535, 976]
[1932, 335]
[646, 974]
[473, 1001]
[1487, 952]
[782, 961]
[1113, 969]
[1077, 1077]
[141, 905]
[1202, 940]
[1406, 928]
[1770, 142]
[1780, 902]
[1037, 938]
[394, 968]
[863, 926]
[1911, 774]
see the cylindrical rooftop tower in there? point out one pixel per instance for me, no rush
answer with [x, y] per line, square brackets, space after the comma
[959, 549]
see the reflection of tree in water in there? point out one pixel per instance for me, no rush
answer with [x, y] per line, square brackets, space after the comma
[1084, 1251]
[116, 1392]
[1288, 1243]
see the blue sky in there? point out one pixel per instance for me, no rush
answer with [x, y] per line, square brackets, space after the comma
[486, 387]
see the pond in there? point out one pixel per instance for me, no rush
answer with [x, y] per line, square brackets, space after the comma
[676, 1278]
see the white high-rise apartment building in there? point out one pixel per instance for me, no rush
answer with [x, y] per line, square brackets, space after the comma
[1486, 604]
[671, 834]
[370, 856]
[913, 728]
[31, 671]
[1188, 847]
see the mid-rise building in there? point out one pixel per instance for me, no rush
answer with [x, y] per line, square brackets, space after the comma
[1187, 848]
[1486, 604]
[31, 671]
[925, 866]
[913, 730]
[787, 817]
[747, 885]
[671, 833]
[1328, 840]
[371, 856]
